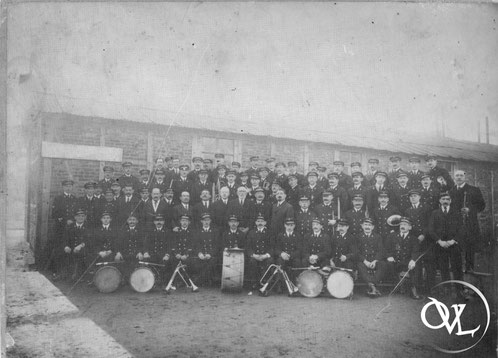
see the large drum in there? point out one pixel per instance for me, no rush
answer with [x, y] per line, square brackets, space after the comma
[232, 275]
[310, 283]
[143, 278]
[340, 284]
[107, 279]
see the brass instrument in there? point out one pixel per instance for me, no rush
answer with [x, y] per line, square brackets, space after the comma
[180, 270]
[267, 278]
[394, 220]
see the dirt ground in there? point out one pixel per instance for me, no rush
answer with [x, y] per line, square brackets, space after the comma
[214, 324]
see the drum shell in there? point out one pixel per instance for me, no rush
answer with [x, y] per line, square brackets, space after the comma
[107, 279]
[340, 284]
[144, 278]
[232, 276]
[310, 283]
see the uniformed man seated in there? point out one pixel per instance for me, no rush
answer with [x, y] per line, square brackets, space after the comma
[371, 267]
[233, 238]
[344, 247]
[77, 237]
[316, 246]
[207, 247]
[259, 249]
[129, 245]
[402, 252]
[288, 247]
[183, 243]
[105, 238]
[157, 246]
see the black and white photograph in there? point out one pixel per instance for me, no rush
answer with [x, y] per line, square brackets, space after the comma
[248, 179]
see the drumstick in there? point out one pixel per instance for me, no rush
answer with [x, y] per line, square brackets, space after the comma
[150, 263]
[84, 273]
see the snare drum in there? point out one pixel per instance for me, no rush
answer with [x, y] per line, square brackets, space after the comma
[107, 279]
[143, 278]
[310, 283]
[232, 276]
[340, 284]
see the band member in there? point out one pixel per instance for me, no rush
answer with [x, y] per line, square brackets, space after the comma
[109, 205]
[144, 178]
[400, 191]
[208, 165]
[219, 210]
[373, 193]
[280, 211]
[207, 246]
[116, 189]
[233, 238]
[126, 205]
[63, 210]
[373, 167]
[345, 180]
[104, 238]
[271, 164]
[169, 211]
[358, 187]
[468, 200]
[157, 246]
[244, 180]
[237, 167]
[435, 171]
[219, 159]
[313, 167]
[316, 246]
[77, 237]
[89, 204]
[340, 194]
[193, 176]
[322, 178]
[396, 169]
[231, 175]
[356, 215]
[201, 208]
[344, 247]
[371, 268]
[313, 191]
[415, 174]
[181, 184]
[292, 167]
[429, 192]
[402, 251]
[174, 167]
[130, 245]
[288, 247]
[127, 178]
[254, 166]
[160, 181]
[108, 178]
[304, 217]
[201, 184]
[293, 192]
[98, 194]
[280, 176]
[356, 167]
[255, 180]
[183, 248]
[327, 212]
[381, 213]
[221, 179]
[182, 209]
[265, 181]
[445, 226]
[260, 207]
[144, 199]
[259, 247]
[242, 207]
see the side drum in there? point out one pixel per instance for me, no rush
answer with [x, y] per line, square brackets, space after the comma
[310, 283]
[143, 279]
[232, 276]
[107, 279]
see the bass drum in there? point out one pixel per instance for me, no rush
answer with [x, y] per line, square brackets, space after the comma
[144, 278]
[107, 279]
[310, 283]
[340, 284]
[232, 276]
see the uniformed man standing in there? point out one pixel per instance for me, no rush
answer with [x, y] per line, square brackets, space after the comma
[201, 184]
[231, 176]
[242, 207]
[108, 179]
[104, 238]
[356, 167]
[293, 193]
[154, 207]
[182, 209]
[183, 248]
[233, 238]
[322, 178]
[254, 168]
[345, 180]
[356, 215]
[400, 192]
[415, 174]
[260, 207]
[288, 246]
[280, 176]
[313, 191]
[292, 167]
[327, 213]
[89, 204]
[383, 211]
[158, 245]
[205, 206]
[429, 193]
[395, 169]
[193, 176]
[304, 217]
[127, 178]
[280, 211]
[358, 187]
[144, 178]
[126, 205]
[373, 167]
[340, 194]
[207, 242]
[436, 171]
[181, 183]
[379, 186]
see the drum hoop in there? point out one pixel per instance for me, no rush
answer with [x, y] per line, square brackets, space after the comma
[149, 269]
[107, 268]
[310, 273]
[344, 277]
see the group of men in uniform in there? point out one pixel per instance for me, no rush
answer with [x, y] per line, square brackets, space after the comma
[276, 215]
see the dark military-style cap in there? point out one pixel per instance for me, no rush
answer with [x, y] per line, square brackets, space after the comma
[109, 191]
[291, 176]
[184, 167]
[169, 191]
[424, 176]
[313, 163]
[355, 164]
[253, 158]
[89, 185]
[80, 212]
[414, 160]
[160, 172]
[219, 155]
[108, 168]
[126, 164]
[144, 171]
[333, 175]
[443, 194]
[115, 183]
[316, 220]
[382, 174]
[231, 172]
[414, 192]
[339, 162]
[67, 182]
[384, 193]
[292, 163]
[303, 198]
[373, 161]
[395, 158]
[367, 220]
[203, 171]
[255, 176]
[312, 174]
[196, 159]
[260, 217]
[243, 174]
[233, 218]
[236, 164]
[221, 166]
[358, 196]
[289, 221]
[327, 193]
[270, 160]
[405, 220]
[401, 174]
[106, 213]
[280, 164]
[322, 169]
[205, 216]
[207, 160]
[159, 217]
[357, 174]
[343, 221]
[143, 189]
[185, 217]
[259, 190]
[430, 157]
[263, 169]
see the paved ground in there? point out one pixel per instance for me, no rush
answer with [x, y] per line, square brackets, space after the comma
[46, 323]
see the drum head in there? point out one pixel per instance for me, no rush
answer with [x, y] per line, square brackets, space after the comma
[107, 279]
[232, 275]
[310, 283]
[142, 279]
[340, 284]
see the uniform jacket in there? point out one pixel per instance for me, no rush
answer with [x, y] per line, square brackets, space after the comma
[326, 213]
[233, 239]
[219, 212]
[199, 209]
[437, 172]
[130, 241]
[355, 219]
[74, 236]
[243, 212]
[430, 197]
[445, 227]
[414, 179]
[124, 209]
[402, 249]
[319, 246]
[264, 208]
[314, 194]
[197, 188]
[158, 242]
[125, 180]
[90, 206]
[180, 185]
[64, 207]
[104, 240]
[343, 245]
[400, 198]
[380, 217]
[370, 248]
[303, 221]
[420, 219]
[345, 181]
[183, 242]
[179, 210]
[278, 215]
[207, 242]
[291, 244]
[259, 243]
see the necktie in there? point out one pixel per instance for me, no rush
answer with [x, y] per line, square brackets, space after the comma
[242, 202]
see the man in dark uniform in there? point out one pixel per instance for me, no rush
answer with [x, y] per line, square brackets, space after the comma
[208, 165]
[395, 169]
[415, 174]
[77, 237]
[345, 180]
[183, 247]
[383, 211]
[340, 194]
[244, 180]
[233, 237]
[242, 207]
[259, 249]
[270, 164]
[108, 179]
[127, 178]
[468, 200]
[280, 176]
[174, 166]
[445, 228]
[129, 246]
[89, 204]
[182, 209]
[373, 193]
[400, 191]
[219, 159]
[373, 167]
[254, 169]
[193, 176]
[116, 189]
[265, 181]
[205, 206]
[322, 178]
[144, 178]
[261, 207]
[280, 211]
[358, 187]
[221, 179]
[356, 215]
[371, 267]
[313, 191]
[109, 205]
[294, 191]
[219, 210]
[63, 210]
[104, 238]
[201, 184]
[327, 213]
[157, 246]
[231, 176]
[126, 205]
[301, 179]
[255, 180]
[237, 167]
[316, 246]
[304, 217]
[429, 193]
[288, 245]
[313, 167]
[181, 183]
[356, 167]
[169, 209]
[402, 251]
[435, 171]
[144, 199]
[207, 242]
[344, 247]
